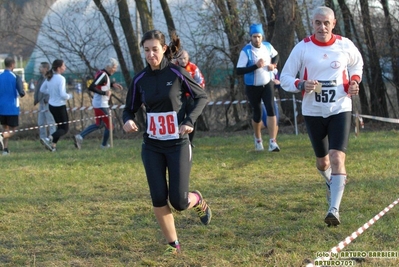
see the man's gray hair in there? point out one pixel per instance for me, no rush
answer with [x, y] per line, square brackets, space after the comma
[323, 10]
[112, 62]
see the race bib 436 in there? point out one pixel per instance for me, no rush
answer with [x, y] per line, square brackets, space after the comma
[163, 126]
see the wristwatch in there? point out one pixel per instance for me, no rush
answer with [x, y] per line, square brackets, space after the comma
[301, 86]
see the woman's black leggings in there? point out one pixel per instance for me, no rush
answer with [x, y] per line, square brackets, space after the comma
[175, 161]
[60, 115]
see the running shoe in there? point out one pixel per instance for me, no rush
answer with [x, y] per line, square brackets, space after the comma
[78, 141]
[47, 144]
[170, 250]
[273, 146]
[258, 144]
[332, 218]
[106, 146]
[202, 209]
[6, 152]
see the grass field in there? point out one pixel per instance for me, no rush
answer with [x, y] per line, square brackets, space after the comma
[92, 207]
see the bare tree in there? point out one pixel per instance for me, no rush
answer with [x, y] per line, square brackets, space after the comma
[271, 17]
[377, 86]
[286, 22]
[145, 15]
[347, 18]
[132, 42]
[230, 21]
[331, 4]
[168, 17]
[393, 45]
[351, 32]
[19, 25]
[115, 40]
[299, 25]
[261, 13]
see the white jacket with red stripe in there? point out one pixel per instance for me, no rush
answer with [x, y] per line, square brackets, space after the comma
[334, 64]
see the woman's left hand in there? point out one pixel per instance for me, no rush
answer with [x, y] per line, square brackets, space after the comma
[185, 129]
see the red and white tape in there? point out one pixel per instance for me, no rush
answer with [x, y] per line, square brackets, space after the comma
[211, 103]
[359, 117]
[235, 102]
[354, 235]
[218, 103]
[54, 124]
[391, 120]
[71, 109]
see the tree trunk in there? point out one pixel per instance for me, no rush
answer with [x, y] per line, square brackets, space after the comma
[230, 18]
[350, 31]
[286, 21]
[168, 17]
[131, 40]
[299, 26]
[261, 14]
[346, 18]
[308, 19]
[331, 4]
[393, 48]
[145, 16]
[271, 18]
[115, 40]
[378, 102]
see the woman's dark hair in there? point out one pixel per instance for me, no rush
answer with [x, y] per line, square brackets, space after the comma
[173, 47]
[56, 64]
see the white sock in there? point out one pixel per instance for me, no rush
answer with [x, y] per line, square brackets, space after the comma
[337, 186]
[326, 174]
[258, 140]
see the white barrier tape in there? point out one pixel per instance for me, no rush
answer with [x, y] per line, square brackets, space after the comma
[379, 118]
[218, 103]
[354, 235]
[48, 125]
[71, 109]
[117, 106]
[123, 106]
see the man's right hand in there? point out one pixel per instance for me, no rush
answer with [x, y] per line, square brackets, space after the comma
[260, 63]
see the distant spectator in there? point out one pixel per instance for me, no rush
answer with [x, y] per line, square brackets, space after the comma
[25, 85]
[32, 86]
[183, 60]
[78, 87]
[257, 60]
[10, 88]
[45, 119]
[89, 81]
[101, 87]
[55, 86]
